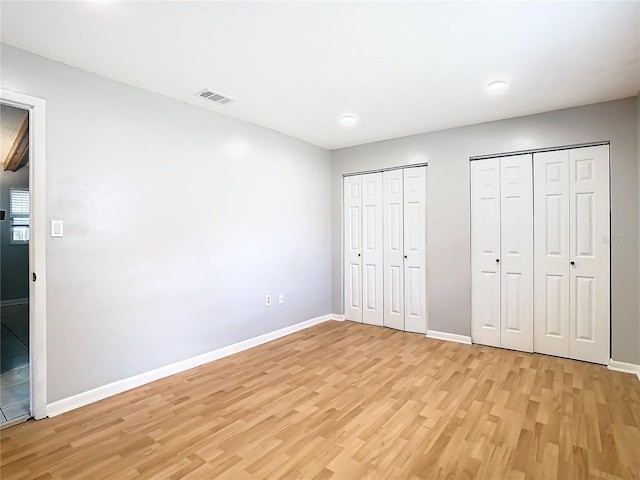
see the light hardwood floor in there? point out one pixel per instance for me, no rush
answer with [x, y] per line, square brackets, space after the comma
[347, 401]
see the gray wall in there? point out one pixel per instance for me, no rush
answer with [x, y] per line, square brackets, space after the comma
[448, 235]
[178, 221]
[14, 261]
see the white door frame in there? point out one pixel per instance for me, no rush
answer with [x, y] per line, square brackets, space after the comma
[37, 246]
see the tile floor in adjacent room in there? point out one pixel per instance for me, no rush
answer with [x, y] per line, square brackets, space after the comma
[14, 363]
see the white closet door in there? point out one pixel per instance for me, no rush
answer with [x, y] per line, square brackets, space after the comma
[372, 252]
[415, 278]
[393, 213]
[485, 251]
[551, 284]
[590, 254]
[352, 248]
[516, 258]
[572, 285]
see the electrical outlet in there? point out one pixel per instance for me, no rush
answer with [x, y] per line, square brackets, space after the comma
[281, 298]
[267, 300]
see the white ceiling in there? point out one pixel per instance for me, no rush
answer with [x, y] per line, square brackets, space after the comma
[296, 67]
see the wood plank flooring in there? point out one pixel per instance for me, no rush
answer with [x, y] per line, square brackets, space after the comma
[347, 401]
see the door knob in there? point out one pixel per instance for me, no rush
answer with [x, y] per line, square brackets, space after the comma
[405, 256]
[572, 263]
[497, 260]
[358, 254]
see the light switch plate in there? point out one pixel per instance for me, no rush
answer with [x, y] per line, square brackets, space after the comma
[56, 229]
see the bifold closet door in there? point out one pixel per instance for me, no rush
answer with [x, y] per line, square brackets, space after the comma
[363, 275]
[415, 278]
[372, 277]
[551, 203]
[572, 253]
[393, 219]
[516, 257]
[590, 271]
[384, 249]
[485, 251]
[502, 252]
[353, 248]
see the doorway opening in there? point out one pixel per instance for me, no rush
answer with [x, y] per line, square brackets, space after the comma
[15, 377]
[37, 246]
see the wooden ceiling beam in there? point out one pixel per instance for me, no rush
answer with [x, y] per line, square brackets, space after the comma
[19, 148]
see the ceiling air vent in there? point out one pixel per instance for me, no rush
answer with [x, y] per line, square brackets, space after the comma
[214, 96]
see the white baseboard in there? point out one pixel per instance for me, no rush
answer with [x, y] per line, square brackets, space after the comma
[105, 391]
[624, 367]
[338, 318]
[450, 337]
[14, 301]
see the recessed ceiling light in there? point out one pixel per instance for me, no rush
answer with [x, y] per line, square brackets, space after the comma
[497, 85]
[348, 120]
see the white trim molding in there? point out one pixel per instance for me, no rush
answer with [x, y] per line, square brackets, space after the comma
[337, 318]
[37, 245]
[624, 367]
[449, 337]
[105, 391]
[13, 301]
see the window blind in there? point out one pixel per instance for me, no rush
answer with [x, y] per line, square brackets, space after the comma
[19, 202]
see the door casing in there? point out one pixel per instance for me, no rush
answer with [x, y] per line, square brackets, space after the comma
[37, 246]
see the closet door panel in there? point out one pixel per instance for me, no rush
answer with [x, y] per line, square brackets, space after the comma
[551, 243]
[589, 272]
[415, 250]
[353, 304]
[372, 250]
[516, 258]
[485, 251]
[393, 220]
